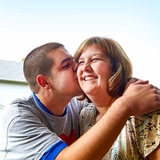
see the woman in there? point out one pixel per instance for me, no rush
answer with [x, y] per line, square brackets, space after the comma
[103, 71]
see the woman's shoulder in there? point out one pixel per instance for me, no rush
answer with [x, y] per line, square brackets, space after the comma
[87, 118]
[147, 129]
[89, 111]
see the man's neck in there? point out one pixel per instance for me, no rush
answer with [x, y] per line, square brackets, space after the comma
[54, 105]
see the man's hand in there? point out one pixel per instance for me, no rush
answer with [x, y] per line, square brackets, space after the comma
[141, 97]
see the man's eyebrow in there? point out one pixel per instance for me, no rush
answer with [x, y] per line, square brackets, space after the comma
[67, 59]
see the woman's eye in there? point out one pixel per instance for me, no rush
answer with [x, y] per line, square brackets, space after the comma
[95, 59]
[81, 62]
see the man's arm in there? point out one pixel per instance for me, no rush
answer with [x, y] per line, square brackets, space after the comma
[137, 99]
[155, 155]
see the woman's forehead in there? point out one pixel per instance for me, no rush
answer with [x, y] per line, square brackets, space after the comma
[92, 50]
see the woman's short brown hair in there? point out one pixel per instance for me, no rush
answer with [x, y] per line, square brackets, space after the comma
[121, 64]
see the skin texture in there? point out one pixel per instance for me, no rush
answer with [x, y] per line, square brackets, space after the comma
[93, 72]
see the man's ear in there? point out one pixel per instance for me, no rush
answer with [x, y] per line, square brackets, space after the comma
[42, 81]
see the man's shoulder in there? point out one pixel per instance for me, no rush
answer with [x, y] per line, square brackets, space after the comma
[16, 106]
[79, 106]
[80, 103]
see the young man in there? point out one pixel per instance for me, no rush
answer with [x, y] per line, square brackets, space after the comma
[44, 125]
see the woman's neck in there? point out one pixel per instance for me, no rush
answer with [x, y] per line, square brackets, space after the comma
[102, 109]
[102, 101]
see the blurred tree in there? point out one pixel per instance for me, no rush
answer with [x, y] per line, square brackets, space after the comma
[22, 59]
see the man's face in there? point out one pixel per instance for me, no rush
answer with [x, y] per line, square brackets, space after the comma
[64, 78]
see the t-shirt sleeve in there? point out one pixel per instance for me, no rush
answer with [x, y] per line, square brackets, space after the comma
[54, 150]
[34, 137]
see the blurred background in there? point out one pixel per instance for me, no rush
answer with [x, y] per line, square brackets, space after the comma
[135, 24]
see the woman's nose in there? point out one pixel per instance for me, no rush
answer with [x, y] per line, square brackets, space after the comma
[87, 67]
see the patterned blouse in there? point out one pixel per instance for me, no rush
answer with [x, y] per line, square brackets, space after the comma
[139, 137]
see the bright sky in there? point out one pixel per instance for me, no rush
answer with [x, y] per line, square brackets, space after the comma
[135, 24]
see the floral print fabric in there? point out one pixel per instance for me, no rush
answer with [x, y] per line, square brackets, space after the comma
[138, 138]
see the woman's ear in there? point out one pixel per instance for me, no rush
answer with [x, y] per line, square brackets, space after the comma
[42, 81]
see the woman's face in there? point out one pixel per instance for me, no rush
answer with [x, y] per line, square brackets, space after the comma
[94, 71]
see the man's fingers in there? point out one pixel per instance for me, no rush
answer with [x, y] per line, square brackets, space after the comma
[136, 81]
[156, 88]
